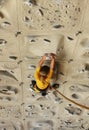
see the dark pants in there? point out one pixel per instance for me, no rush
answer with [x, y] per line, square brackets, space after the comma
[43, 92]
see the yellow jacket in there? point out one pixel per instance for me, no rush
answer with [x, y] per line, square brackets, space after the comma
[39, 84]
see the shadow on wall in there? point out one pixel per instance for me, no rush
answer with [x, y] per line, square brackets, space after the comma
[61, 56]
[60, 52]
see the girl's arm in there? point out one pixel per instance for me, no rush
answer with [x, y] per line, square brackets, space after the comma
[41, 61]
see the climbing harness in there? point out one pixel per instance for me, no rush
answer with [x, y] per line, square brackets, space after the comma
[78, 104]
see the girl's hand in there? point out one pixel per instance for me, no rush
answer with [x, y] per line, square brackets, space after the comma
[44, 57]
[52, 56]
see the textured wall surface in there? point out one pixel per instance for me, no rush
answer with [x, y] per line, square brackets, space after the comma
[28, 29]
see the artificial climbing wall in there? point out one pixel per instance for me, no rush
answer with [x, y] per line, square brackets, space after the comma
[28, 29]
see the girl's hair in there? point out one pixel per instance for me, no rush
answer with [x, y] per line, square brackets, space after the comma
[44, 70]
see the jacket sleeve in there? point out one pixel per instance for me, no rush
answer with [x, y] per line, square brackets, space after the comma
[36, 74]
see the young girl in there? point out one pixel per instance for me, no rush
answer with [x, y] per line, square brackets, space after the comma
[43, 74]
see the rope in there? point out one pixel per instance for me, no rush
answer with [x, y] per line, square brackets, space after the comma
[78, 104]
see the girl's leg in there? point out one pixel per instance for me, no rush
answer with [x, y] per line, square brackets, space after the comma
[43, 93]
[33, 82]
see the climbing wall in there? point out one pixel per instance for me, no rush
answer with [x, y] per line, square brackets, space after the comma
[28, 29]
